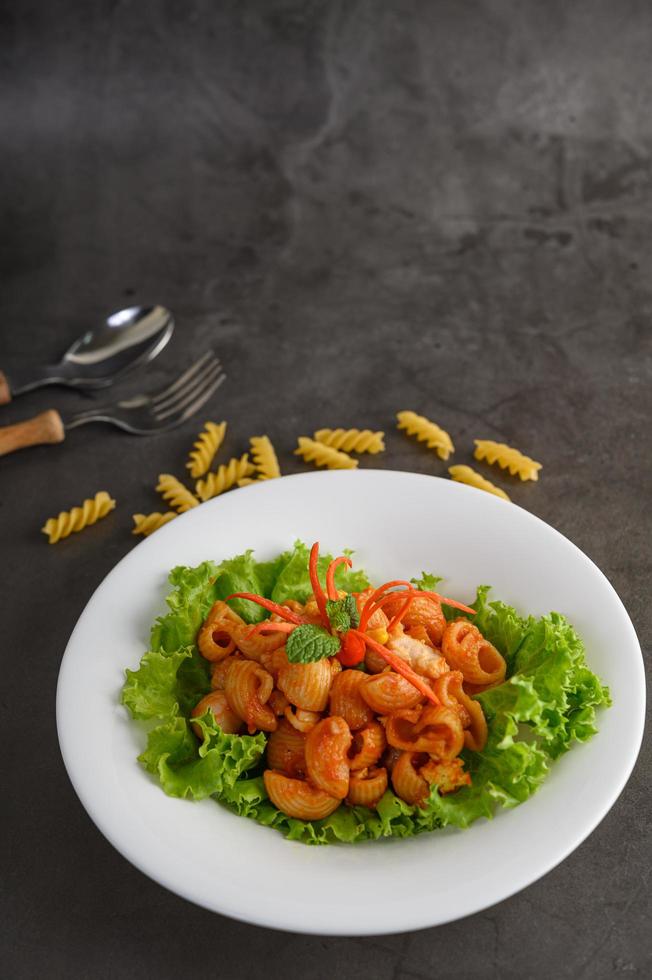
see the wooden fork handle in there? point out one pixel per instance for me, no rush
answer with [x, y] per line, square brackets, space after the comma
[5, 390]
[43, 428]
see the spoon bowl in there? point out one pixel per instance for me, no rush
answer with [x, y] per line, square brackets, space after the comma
[124, 339]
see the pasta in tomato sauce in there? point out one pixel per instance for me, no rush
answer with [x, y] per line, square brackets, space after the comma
[355, 692]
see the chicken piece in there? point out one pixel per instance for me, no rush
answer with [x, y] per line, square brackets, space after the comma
[449, 776]
[421, 658]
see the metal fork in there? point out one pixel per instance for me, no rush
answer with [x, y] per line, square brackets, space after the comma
[140, 415]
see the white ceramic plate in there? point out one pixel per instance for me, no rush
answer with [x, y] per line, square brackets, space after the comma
[399, 524]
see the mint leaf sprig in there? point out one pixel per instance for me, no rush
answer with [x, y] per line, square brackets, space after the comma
[343, 613]
[307, 644]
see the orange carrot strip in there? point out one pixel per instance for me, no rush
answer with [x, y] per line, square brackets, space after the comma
[411, 596]
[368, 608]
[331, 591]
[448, 602]
[400, 667]
[316, 586]
[384, 599]
[273, 607]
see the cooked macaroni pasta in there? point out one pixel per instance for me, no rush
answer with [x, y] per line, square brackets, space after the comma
[342, 728]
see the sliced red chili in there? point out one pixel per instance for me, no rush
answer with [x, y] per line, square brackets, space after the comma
[331, 591]
[320, 596]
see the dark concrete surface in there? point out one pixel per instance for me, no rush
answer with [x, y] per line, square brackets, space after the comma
[364, 207]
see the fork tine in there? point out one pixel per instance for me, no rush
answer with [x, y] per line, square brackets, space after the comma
[192, 399]
[180, 397]
[197, 403]
[186, 376]
[165, 401]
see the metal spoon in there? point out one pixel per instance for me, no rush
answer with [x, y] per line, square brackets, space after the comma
[124, 339]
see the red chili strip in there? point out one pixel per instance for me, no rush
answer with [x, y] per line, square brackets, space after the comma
[272, 607]
[331, 590]
[320, 596]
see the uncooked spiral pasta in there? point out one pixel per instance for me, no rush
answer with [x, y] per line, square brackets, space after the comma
[466, 474]
[507, 458]
[426, 431]
[146, 524]
[208, 442]
[226, 476]
[78, 518]
[321, 455]
[352, 440]
[175, 493]
[264, 458]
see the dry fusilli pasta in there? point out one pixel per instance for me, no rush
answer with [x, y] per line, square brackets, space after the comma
[507, 458]
[79, 517]
[352, 440]
[426, 431]
[208, 442]
[175, 493]
[146, 524]
[264, 458]
[465, 474]
[321, 455]
[225, 477]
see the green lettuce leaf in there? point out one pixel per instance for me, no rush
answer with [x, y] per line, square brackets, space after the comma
[188, 768]
[284, 578]
[165, 684]
[241, 574]
[427, 582]
[500, 624]
[189, 603]
[293, 581]
[347, 825]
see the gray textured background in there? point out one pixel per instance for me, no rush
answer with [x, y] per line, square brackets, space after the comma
[364, 207]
